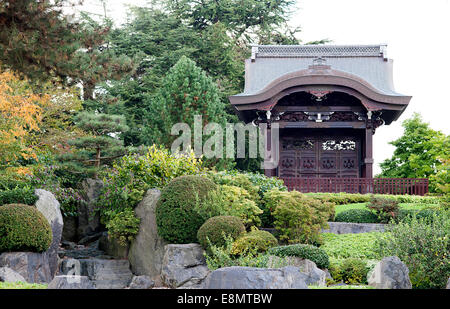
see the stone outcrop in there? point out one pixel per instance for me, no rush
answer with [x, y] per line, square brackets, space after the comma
[184, 266]
[70, 282]
[49, 207]
[353, 228]
[141, 282]
[112, 247]
[390, 273]
[107, 274]
[235, 277]
[34, 267]
[88, 219]
[313, 275]
[9, 275]
[147, 250]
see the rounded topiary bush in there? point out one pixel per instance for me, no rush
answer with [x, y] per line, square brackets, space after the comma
[254, 241]
[215, 228]
[310, 252]
[23, 228]
[357, 216]
[181, 209]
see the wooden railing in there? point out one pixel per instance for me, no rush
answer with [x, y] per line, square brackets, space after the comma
[412, 186]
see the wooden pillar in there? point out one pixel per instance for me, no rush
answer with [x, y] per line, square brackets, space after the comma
[268, 148]
[368, 154]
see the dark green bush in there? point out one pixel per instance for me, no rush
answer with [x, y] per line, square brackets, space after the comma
[356, 216]
[183, 208]
[350, 271]
[23, 228]
[255, 241]
[216, 228]
[315, 254]
[18, 195]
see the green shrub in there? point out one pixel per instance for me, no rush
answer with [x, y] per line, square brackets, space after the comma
[236, 201]
[298, 218]
[424, 246]
[340, 198]
[131, 176]
[123, 226]
[255, 241]
[23, 228]
[222, 256]
[215, 228]
[18, 195]
[357, 216]
[349, 271]
[312, 253]
[178, 211]
[385, 209]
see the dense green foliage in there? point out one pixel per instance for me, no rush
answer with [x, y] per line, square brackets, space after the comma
[357, 216]
[255, 241]
[424, 246]
[298, 218]
[351, 245]
[384, 209]
[18, 195]
[310, 252]
[350, 271]
[215, 229]
[123, 227]
[23, 228]
[177, 215]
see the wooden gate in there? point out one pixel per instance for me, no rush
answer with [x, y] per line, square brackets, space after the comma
[320, 157]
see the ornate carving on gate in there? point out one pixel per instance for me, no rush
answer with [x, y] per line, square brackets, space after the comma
[290, 144]
[327, 163]
[332, 145]
[348, 163]
[308, 163]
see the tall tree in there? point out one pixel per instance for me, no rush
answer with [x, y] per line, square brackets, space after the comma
[418, 152]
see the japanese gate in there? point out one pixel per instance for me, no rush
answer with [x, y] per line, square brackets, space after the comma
[328, 102]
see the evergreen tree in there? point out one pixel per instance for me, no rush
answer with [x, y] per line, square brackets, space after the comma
[100, 145]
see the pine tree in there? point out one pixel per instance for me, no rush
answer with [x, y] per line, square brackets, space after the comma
[101, 144]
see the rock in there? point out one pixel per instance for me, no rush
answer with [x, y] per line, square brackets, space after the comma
[448, 284]
[70, 282]
[88, 219]
[142, 282]
[390, 273]
[70, 267]
[184, 266]
[112, 247]
[353, 228]
[69, 232]
[68, 245]
[49, 207]
[314, 275]
[9, 275]
[147, 250]
[89, 239]
[107, 274]
[236, 277]
[34, 267]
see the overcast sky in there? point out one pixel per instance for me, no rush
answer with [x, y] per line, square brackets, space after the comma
[417, 33]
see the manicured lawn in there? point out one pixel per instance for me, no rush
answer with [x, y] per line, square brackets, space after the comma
[21, 285]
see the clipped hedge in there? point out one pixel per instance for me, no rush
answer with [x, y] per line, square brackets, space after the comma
[357, 216]
[18, 195]
[254, 241]
[310, 252]
[215, 228]
[23, 228]
[182, 208]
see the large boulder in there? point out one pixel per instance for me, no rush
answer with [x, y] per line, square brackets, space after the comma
[141, 282]
[448, 284]
[147, 250]
[314, 275]
[107, 274]
[184, 266]
[236, 277]
[70, 282]
[112, 247]
[34, 267]
[88, 218]
[390, 273]
[49, 207]
[9, 275]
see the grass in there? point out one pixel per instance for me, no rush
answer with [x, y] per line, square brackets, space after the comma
[21, 285]
[341, 287]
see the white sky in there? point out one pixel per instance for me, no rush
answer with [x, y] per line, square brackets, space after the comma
[417, 33]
